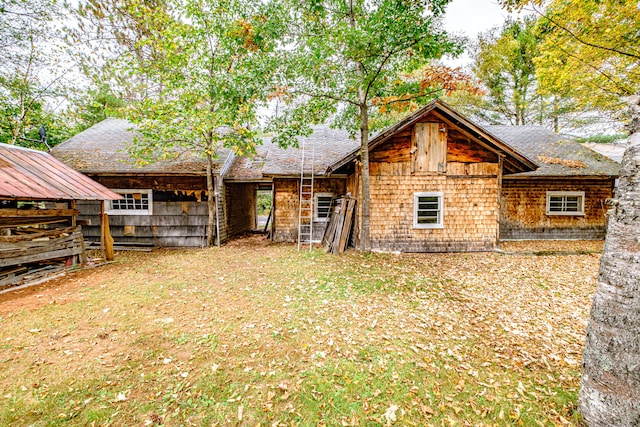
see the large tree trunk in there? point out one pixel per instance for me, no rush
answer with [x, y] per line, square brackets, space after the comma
[610, 392]
[365, 229]
[211, 202]
[365, 224]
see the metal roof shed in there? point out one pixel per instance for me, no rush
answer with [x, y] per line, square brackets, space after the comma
[46, 229]
[27, 174]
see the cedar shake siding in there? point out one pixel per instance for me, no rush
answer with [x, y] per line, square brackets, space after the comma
[433, 162]
[470, 213]
[287, 200]
[523, 214]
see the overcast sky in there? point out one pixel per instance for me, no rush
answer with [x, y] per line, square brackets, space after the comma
[469, 17]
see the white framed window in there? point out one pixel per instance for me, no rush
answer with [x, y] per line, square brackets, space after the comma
[133, 202]
[427, 210]
[322, 206]
[565, 203]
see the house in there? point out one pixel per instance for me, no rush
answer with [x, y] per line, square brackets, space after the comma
[38, 211]
[435, 182]
[164, 202]
[439, 182]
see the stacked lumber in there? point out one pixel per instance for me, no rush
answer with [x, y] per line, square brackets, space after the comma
[30, 250]
[338, 230]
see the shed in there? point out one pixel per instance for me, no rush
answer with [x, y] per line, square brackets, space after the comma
[38, 196]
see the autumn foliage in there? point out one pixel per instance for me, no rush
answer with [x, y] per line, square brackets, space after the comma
[429, 82]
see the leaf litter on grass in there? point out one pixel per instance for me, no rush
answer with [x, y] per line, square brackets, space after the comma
[261, 334]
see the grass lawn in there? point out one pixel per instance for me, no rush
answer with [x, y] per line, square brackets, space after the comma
[261, 334]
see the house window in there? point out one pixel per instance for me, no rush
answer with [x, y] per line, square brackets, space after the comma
[133, 202]
[322, 206]
[565, 202]
[427, 210]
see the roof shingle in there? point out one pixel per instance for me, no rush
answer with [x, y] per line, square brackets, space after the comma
[103, 149]
[556, 155]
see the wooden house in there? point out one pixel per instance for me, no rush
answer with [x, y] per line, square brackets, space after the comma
[439, 182]
[164, 202]
[38, 212]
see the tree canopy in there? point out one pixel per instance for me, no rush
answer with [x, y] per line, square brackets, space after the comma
[34, 69]
[503, 61]
[344, 59]
[590, 50]
[200, 69]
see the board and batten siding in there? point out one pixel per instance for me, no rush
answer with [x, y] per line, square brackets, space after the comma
[523, 213]
[287, 201]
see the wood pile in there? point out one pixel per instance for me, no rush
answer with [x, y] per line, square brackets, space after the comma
[30, 252]
[338, 230]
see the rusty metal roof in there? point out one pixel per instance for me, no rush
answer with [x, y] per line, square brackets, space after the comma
[32, 174]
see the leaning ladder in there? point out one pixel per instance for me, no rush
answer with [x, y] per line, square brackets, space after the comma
[305, 214]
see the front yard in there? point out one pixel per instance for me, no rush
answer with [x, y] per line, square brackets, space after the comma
[259, 334]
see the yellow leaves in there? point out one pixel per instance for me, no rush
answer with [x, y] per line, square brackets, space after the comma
[246, 32]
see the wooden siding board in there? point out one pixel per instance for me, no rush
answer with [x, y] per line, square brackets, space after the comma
[241, 205]
[155, 182]
[169, 226]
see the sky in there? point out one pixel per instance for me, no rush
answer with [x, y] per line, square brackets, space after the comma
[470, 17]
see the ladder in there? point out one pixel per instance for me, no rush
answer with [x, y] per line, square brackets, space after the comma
[305, 214]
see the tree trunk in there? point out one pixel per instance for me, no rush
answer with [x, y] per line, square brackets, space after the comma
[365, 225]
[365, 233]
[211, 203]
[610, 389]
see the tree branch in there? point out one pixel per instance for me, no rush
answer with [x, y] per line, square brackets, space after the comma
[584, 42]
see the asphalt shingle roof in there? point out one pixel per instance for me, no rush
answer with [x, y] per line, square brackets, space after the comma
[556, 154]
[329, 144]
[103, 149]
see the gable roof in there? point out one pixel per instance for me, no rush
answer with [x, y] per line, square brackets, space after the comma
[556, 155]
[514, 161]
[272, 160]
[32, 174]
[102, 149]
